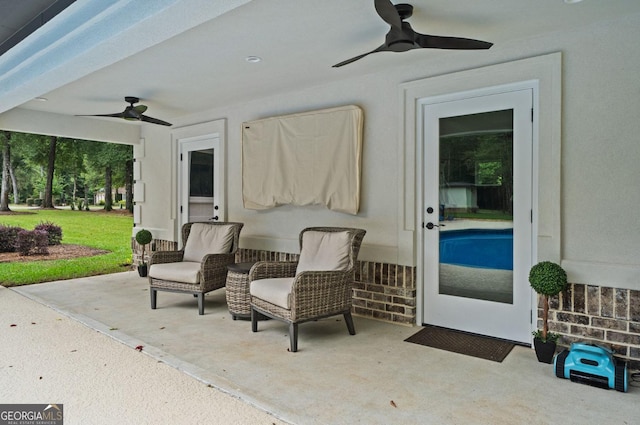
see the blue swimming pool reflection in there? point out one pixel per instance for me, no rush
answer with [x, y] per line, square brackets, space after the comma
[479, 248]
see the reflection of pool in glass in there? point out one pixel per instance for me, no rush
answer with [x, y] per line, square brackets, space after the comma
[477, 263]
[478, 248]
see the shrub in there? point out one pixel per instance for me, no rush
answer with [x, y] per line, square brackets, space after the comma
[32, 242]
[54, 231]
[8, 237]
[30, 202]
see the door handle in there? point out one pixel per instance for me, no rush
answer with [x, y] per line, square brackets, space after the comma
[214, 218]
[430, 225]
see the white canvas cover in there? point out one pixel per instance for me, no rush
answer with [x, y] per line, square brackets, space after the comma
[308, 158]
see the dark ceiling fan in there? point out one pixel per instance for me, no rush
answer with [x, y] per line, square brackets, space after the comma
[401, 37]
[132, 113]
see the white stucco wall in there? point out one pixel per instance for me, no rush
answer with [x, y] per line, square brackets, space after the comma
[600, 151]
[157, 174]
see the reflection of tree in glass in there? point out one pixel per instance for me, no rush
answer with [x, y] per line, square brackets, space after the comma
[201, 173]
[484, 159]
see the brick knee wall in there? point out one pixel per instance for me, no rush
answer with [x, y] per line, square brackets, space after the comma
[385, 292]
[598, 314]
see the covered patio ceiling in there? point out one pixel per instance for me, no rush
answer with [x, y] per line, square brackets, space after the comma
[182, 57]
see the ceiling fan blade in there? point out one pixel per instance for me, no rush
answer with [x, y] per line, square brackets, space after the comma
[154, 120]
[455, 43]
[348, 61]
[388, 12]
[118, 115]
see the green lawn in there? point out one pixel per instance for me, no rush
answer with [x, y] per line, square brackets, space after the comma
[97, 229]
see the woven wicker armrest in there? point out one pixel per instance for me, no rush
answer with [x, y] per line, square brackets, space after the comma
[272, 269]
[159, 257]
[318, 293]
[213, 264]
[313, 281]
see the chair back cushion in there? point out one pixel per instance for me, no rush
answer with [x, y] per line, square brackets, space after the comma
[208, 239]
[324, 251]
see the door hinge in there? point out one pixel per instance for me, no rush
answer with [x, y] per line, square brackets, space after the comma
[530, 316]
[180, 209]
[531, 217]
[531, 114]
[180, 157]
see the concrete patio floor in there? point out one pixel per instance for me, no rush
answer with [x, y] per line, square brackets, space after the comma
[373, 377]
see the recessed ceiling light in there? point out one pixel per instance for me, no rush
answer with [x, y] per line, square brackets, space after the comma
[253, 59]
[572, 1]
[41, 99]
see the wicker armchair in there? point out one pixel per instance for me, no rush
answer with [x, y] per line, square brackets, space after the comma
[318, 285]
[201, 265]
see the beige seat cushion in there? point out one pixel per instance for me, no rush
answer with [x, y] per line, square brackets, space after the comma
[184, 271]
[324, 251]
[276, 291]
[208, 239]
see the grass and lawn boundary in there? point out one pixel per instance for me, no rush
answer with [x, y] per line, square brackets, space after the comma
[110, 231]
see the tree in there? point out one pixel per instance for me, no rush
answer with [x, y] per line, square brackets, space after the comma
[48, 190]
[129, 185]
[112, 158]
[70, 166]
[14, 181]
[6, 166]
[108, 189]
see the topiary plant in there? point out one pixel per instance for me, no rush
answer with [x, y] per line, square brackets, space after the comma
[547, 279]
[143, 237]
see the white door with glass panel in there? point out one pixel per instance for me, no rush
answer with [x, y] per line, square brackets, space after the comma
[477, 222]
[200, 198]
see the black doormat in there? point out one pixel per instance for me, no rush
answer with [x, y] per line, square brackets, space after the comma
[463, 343]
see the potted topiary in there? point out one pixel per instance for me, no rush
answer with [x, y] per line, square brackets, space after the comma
[547, 279]
[143, 237]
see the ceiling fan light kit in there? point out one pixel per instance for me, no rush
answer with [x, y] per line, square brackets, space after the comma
[132, 113]
[401, 37]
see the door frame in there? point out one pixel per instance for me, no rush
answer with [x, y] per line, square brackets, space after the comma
[216, 128]
[546, 70]
[472, 100]
[420, 139]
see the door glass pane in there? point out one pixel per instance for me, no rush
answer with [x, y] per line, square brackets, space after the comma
[476, 208]
[201, 173]
[201, 184]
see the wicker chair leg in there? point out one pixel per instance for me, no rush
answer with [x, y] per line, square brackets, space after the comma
[254, 320]
[154, 298]
[201, 303]
[293, 337]
[349, 321]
